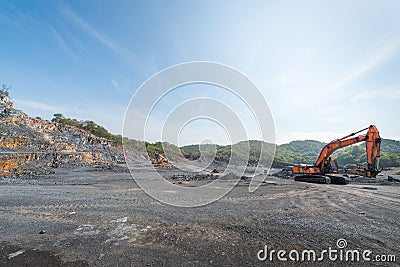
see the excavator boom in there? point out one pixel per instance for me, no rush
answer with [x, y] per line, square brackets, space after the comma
[323, 164]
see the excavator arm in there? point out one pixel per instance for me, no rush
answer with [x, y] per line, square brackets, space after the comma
[323, 163]
[373, 146]
[323, 160]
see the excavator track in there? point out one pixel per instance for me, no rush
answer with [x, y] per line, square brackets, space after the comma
[321, 179]
[318, 179]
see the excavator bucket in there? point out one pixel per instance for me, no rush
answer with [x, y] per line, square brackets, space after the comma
[364, 172]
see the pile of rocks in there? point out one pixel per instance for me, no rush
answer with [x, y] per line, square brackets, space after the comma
[285, 173]
[194, 177]
[160, 161]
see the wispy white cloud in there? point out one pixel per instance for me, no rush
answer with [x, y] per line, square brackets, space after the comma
[383, 54]
[118, 87]
[122, 88]
[23, 104]
[394, 94]
[112, 119]
[25, 22]
[325, 105]
[331, 120]
[124, 54]
[115, 84]
[75, 18]
[387, 93]
[62, 43]
[60, 40]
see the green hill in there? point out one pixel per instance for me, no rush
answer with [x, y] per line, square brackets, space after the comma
[355, 155]
[308, 151]
[239, 150]
[390, 146]
[305, 152]
[299, 152]
[294, 152]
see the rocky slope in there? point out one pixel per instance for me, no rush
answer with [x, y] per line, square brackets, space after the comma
[31, 146]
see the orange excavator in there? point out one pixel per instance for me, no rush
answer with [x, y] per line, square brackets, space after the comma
[323, 169]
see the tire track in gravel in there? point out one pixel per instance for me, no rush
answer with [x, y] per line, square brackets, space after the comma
[49, 209]
[346, 207]
[290, 193]
[89, 204]
[370, 197]
[339, 197]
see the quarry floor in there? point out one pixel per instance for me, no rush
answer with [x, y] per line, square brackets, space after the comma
[92, 218]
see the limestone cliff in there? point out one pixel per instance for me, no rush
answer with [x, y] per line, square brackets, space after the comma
[30, 146]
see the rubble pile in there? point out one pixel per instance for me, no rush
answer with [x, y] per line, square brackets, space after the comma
[31, 146]
[208, 176]
[285, 173]
[392, 179]
[160, 161]
[194, 177]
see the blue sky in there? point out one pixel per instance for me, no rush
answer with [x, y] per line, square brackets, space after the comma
[326, 68]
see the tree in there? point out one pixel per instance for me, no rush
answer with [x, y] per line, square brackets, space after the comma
[4, 90]
[58, 117]
[89, 126]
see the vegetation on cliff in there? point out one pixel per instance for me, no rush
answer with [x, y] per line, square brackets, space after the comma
[88, 126]
[4, 90]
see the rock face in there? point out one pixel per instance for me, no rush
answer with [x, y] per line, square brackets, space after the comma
[30, 146]
[7, 106]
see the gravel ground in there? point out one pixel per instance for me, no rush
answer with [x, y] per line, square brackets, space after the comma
[91, 218]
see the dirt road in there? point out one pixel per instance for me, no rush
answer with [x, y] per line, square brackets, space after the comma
[89, 218]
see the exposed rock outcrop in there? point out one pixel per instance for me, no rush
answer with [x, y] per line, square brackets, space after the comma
[30, 146]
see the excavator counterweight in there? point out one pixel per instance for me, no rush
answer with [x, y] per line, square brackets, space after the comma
[322, 170]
